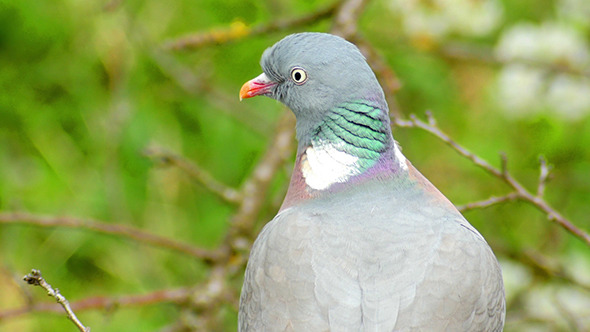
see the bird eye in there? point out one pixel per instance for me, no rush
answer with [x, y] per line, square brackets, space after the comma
[298, 75]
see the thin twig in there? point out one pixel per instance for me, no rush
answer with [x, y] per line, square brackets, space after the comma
[239, 30]
[488, 202]
[178, 295]
[35, 278]
[213, 294]
[414, 122]
[504, 164]
[502, 173]
[430, 117]
[166, 157]
[550, 268]
[139, 235]
[543, 266]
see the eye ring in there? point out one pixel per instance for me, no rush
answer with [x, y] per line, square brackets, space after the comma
[298, 75]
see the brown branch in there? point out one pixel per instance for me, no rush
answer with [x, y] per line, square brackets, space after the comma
[254, 190]
[136, 234]
[385, 74]
[414, 122]
[204, 298]
[178, 295]
[549, 268]
[503, 174]
[211, 296]
[239, 30]
[488, 202]
[345, 22]
[112, 5]
[168, 158]
[35, 278]
[216, 292]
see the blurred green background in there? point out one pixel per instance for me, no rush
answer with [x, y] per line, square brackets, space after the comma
[87, 86]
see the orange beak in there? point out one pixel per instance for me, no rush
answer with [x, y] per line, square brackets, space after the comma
[256, 86]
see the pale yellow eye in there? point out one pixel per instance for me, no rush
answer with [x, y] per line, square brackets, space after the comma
[298, 75]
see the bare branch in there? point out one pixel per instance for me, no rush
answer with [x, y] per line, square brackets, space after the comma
[414, 122]
[168, 158]
[345, 24]
[502, 174]
[240, 30]
[385, 74]
[504, 164]
[551, 268]
[430, 118]
[254, 190]
[488, 202]
[35, 278]
[110, 229]
[178, 295]
[111, 5]
[214, 293]
[345, 21]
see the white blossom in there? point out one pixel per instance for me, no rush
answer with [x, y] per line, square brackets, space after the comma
[439, 18]
[520, 89]
[545, 70]
[569, 96]
[550, 43]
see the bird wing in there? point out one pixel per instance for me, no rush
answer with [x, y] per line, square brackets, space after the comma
[392, 265]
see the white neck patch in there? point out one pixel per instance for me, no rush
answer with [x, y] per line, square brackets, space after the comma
[323, 165]
[401, 159]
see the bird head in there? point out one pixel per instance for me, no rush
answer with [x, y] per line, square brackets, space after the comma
[311, 73]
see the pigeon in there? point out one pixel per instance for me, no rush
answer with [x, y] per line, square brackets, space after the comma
[362, 241]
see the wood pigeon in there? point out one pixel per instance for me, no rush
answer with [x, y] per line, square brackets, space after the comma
[363, 241]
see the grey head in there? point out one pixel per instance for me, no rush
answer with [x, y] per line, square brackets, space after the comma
[312, 73]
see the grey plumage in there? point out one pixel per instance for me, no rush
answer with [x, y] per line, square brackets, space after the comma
[328, 85]
[383, 250]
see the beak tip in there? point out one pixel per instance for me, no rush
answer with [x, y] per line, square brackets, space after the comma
[244, 91]
[257, 86]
